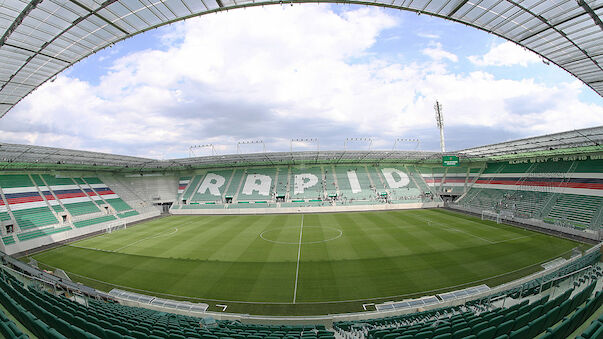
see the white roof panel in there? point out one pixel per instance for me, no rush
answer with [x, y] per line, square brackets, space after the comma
[568, 33]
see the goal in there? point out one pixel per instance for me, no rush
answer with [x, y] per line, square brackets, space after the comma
[491, 215]
[116, 227]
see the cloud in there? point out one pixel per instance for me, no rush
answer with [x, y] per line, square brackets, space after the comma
[268, 73]
[437, 53]
[429, 36]
[505, 54]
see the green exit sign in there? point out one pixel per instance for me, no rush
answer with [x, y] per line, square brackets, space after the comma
[450, 160]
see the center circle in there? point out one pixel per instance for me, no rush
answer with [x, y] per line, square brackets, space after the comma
[309, 235]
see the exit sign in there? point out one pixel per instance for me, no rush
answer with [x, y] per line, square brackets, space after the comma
[450, 160]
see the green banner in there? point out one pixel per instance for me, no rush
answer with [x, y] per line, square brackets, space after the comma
[450, 160]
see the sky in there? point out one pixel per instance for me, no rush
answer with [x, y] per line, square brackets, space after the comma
[277, 73]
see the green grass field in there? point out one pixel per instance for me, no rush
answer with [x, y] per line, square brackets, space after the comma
[256, 264]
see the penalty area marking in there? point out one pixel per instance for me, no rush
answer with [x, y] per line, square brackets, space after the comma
[160, 234]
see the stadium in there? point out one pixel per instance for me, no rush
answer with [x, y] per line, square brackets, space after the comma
[497, 241]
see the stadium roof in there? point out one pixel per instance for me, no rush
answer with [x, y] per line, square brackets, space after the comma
[39, 39]
[19, 157]
[572, 142]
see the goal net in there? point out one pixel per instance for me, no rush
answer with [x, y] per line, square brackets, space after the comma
[116, 227]
[491, 215]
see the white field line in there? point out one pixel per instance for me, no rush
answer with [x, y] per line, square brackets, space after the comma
[429, 222]
[301, 231]
[525, 236]
[160, 234]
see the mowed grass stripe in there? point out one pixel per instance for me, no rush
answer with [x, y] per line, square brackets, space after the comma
[379, 254]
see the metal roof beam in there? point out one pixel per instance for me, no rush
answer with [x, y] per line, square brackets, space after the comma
[560, 32]
[95, 13]
[37, 52]
[458, 7]
[590, 12]
[18, 20]
[561, 22]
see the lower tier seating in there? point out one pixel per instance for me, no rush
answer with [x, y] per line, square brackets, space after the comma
[34, 217]
[594, 331]
[49, 316]
[41, 232]
[128, 214]
[8, 329]
[7, 240]
[94, 221]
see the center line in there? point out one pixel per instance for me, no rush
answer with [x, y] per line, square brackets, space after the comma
[301, 231]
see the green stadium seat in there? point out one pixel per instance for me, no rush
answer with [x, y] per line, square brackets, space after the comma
[505, 327]
[441, 330]
[590, 331]
[521, 321]
[479, 327]
[138, 334]
[458, 326]
[521, 333]
[598, 334]
[537, 326]
[487, 333]
[424, 335]
[443, 336]
[461, 333]
[552, 317]
[496, 321]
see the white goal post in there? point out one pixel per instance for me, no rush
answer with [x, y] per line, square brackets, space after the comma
[491, 215]
[116, 226]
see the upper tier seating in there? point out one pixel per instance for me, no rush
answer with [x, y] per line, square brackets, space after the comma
[68, 191]
[25, 202]
[118, 204]
[182, 183]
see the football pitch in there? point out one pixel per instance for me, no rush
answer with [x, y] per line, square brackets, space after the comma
[306, 263]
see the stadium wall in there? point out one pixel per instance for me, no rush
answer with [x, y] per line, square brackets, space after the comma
[32, 244]
[308, 209]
